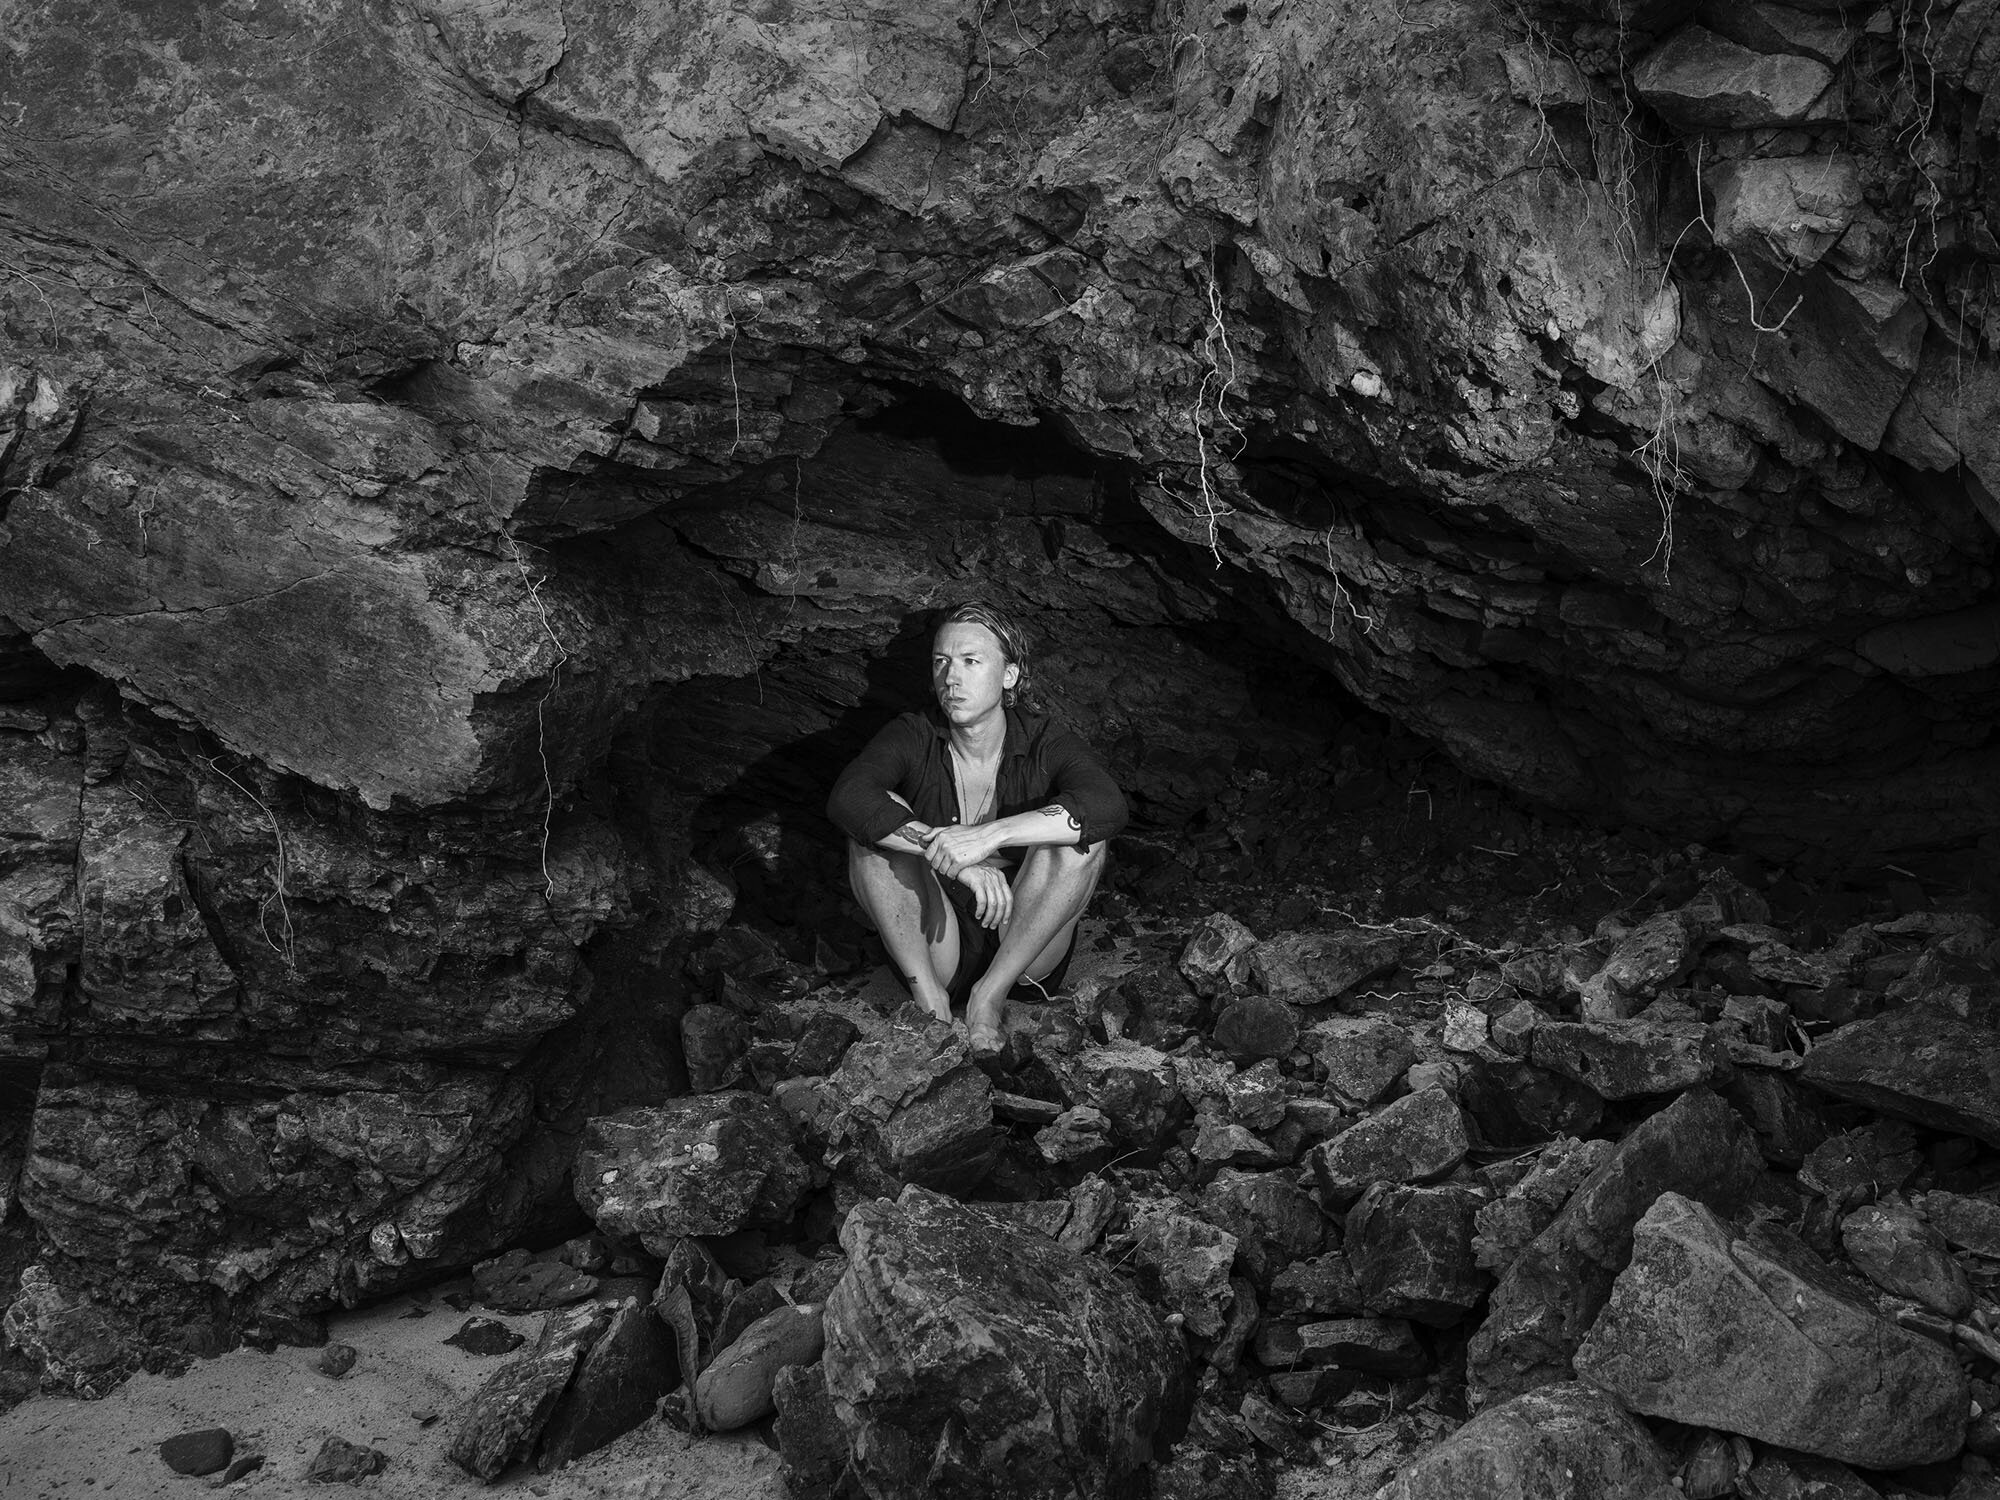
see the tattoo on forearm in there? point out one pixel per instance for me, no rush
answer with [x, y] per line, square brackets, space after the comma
[1057, 810]
[913, 831]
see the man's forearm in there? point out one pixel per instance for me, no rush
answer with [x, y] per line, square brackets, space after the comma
[1054, 824]
[908, 839]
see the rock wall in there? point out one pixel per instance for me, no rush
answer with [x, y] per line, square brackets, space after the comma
[470, 446]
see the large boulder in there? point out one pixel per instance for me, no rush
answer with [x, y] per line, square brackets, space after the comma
[1750, 1332]
[967, 1358]
[1630, 1059]
[708, 1164]
[910, 1106]
[1310, 968]
[1562, 1442]
[1410, 1249]
[1918, 1064]
[1553, 1290]
[1419, 1137]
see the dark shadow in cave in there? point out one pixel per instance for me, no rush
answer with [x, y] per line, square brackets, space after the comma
[1177, 676]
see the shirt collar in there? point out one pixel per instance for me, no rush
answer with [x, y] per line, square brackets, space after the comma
[1020, 729]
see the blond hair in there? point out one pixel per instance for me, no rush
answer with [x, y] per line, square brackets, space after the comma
[1013, 645]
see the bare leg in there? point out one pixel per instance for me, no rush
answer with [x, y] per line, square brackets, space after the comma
[900, 895]
[1051, 889]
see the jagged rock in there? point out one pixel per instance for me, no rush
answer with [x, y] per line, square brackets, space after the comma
[1420, 1136]
[1378, 1346]
[520, 1282]
[1322, 1287]
[1790, 208]
[1132, 1085]
[1785, 28]
[1552, 1292]
[1509, 1225]
[1223, 1142]
[1192, 1259]
[1080, 1136]
[710, 1164]
[1251, 1027]
[1410, 1249]
[1917, 1064]
[1848, 351]
[341, 1462]
[78, 1346]
[912, 1107]
[504, 1420]
[1752, 1333]
[1093, 1204]
[1630, 1059]
[1275, 1222]
[1973, 1223]
[618, 1384]
[713, 1039]
[1905, 1256]
[1859, 1164]
[207, 1451]
[1562, 1442]
[1363, 1057]
[486, 1336]
[1256, 1096]
[1310, 968]
[1658, 952]
[812, 1445]
[1699, 81]
[1210, 962]
[983, 1361]
[1777, 1475]
[737, 1387]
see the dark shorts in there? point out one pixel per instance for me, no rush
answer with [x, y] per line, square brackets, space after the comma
[977, 945]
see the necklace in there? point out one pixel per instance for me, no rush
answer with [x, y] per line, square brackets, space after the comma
[975, 791]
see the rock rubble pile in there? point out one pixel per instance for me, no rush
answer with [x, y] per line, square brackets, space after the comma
[1698, 1204]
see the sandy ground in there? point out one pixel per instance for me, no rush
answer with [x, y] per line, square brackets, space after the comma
[281, 1406]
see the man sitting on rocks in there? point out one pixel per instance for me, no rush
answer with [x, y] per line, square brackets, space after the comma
[976, 830]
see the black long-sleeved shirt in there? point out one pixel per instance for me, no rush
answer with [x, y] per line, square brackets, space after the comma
[1041, 763]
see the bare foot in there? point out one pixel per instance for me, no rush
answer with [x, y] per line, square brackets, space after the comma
[983, 1032]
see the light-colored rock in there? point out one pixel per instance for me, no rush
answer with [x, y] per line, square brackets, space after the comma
[1699, 80]
[1789, 208]
[1562, 1442]
[736, 1388]
[1751, 1333]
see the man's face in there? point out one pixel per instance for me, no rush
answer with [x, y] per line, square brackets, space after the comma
[969, 672]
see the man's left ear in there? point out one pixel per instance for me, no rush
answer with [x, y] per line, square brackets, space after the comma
[1011, 677]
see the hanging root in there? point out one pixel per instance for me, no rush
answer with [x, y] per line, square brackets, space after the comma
[287, 949]
[1218, 382]
[1660, 457]
[534, 587]
[1341, 596]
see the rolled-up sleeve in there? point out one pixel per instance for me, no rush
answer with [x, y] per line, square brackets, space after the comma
[860, 805]
[1082, 786]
